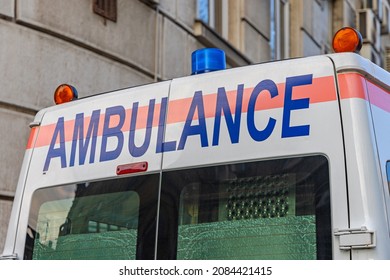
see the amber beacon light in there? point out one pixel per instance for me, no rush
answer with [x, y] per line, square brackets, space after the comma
[65, 93]
[347, 39]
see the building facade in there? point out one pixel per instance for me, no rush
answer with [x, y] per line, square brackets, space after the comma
[103, 45]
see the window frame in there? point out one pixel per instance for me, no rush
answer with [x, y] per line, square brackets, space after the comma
[170, 200]
[146, 231]
[108, 9]
[163, 217]
[280, 35]
[215, 14]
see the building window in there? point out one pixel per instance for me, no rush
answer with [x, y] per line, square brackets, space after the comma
[214, 13]
[203, 10]
[387, 59]
[280, 29]
[106, 8]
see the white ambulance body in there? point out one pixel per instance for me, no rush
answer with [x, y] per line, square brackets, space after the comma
[281, 160]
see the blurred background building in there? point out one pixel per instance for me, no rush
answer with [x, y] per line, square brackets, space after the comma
[103, 45]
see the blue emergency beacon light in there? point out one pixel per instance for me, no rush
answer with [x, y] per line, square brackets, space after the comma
[208, 60]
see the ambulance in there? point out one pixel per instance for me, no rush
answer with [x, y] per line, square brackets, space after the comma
[279, 160]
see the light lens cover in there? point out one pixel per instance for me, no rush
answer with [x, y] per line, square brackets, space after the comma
[347, 39]
[132, 168]
[207, 60]
[65, 93]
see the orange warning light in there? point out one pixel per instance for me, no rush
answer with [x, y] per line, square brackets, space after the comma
[347, 39]
[65, 93]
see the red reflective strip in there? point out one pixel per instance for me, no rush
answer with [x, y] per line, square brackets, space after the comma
[132, 168]
[322, 89]
[354, 85]
[32, 138]
[379, 97]
[47, 131]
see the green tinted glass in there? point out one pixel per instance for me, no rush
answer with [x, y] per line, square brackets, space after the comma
[92, 227]
[277, 209]
[113, 219]
[255, 219]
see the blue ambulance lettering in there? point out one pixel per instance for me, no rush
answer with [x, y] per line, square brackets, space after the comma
[114, 132]
[161, 145]
[296, 104]
[194, 125]
[262, 87]
[141, 150]
[233, 125]
[59, 132]
[78, 138]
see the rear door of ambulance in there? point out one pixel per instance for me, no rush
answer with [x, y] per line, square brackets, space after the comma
[379, 95]
[231, 137]
[365, 104]
[77, 200]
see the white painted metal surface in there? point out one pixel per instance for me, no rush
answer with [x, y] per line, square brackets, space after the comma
[275, 110]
